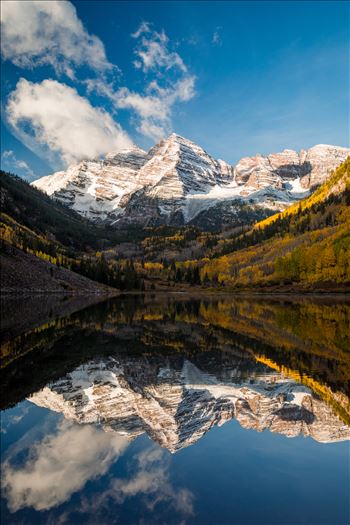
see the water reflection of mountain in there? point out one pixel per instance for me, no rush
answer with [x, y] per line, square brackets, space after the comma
[174, 368]
[176, 401]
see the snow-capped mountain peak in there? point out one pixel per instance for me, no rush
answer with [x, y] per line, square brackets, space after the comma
[178, 182]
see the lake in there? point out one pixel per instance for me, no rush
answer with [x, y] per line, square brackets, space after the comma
[167, 409]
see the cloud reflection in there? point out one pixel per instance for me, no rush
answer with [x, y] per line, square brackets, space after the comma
[60, 465]
[151, 479]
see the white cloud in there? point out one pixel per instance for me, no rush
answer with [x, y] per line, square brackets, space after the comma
[184, 88]
[153, 110]
[147, 106]
[151, 480]
[153, 50]
[7, 154]
[57, 118]
[60, 465]
[147, 128]
[10, 162]
[35, 33]
[154, 106]
[51, 118]
[145, 27]
[147, 479]
[216, 38]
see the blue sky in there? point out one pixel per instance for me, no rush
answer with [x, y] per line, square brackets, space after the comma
[238, 78]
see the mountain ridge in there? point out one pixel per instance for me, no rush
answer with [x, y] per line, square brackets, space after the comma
[177, 182]
[307, 243]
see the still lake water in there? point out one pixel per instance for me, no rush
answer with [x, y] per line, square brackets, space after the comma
[170, 410]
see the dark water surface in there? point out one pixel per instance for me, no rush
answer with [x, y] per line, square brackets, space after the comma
[170, 410]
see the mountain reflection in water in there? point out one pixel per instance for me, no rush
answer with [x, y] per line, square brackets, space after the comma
[170, 368]
[176, 400]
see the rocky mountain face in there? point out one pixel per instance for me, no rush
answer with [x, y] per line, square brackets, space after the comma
[95, 188]
[176, 401]
[177, 182]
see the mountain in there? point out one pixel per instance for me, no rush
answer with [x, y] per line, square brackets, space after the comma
[178, 401]
[42, 240]
[47, 217]
[95, 188]
[308, 244]
[177, 183]
[306, 247]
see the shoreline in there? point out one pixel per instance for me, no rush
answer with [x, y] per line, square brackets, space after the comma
[184, 291]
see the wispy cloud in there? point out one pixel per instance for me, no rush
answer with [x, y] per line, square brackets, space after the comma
[151, 480]
[153, 52]
[167, 81]
[10, 162]
[147, 483]
[216, 38]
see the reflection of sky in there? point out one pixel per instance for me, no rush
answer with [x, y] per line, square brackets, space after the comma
[80, 474]
[54, 459]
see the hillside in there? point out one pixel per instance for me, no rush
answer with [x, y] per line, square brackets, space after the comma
[307, 244]
[35, 210]
[304, 248]
[24, 273]
[48, 216]
[41, 239]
